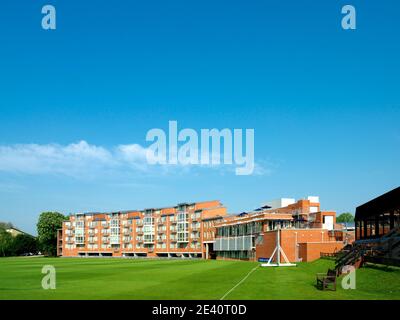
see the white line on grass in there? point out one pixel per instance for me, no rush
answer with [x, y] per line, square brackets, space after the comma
[251, 271]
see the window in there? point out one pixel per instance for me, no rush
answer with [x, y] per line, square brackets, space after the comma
[182, 237]
[79, 239]
[114, 231]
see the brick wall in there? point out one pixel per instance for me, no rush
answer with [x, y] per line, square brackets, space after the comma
[292, 241]
[310, 251]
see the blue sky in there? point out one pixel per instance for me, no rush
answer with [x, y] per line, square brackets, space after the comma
[324, 102]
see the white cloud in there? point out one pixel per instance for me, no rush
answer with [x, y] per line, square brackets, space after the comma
[83, 159]
[71, 159]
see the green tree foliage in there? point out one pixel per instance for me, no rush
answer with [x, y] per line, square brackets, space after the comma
[6, 243]
[18, 245]
[6, 225]
[24, 243]
[47, 227]
[345, 218]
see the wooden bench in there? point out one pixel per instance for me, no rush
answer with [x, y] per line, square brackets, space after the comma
[327, 281]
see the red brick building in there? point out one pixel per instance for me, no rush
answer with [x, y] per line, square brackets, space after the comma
[205, 230]
[305, 232]
[177, 231]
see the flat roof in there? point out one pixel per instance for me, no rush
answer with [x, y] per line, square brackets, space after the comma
[385, 203]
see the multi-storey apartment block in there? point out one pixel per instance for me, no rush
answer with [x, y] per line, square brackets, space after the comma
[179, 231]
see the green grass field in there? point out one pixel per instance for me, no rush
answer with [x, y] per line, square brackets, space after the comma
[20, 278]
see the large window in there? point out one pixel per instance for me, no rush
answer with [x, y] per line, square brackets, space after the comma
[183, 237]
[148, 237]
[148, 227]
[114, 232]
[240, 229]
[244, 255]
[182, 227]
[384, 224]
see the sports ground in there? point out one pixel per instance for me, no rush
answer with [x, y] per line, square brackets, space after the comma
[88, 278]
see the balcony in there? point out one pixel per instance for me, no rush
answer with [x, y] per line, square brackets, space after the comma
[173, 231]
[105, 226]
[160, 231]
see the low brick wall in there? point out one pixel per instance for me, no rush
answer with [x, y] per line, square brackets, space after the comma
[293, 243]
[310, 251]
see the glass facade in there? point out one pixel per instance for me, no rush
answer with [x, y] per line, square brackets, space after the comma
[242, 229]
[241, 255]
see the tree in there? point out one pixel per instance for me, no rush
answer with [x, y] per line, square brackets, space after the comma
[6, 225]
[24, 243]
[345, 218]
[47, 226]
[6, 243]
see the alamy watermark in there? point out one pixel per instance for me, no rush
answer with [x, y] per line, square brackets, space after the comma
[49, 280]
[202, 148]
[49, 18]
[349, 280]
[349, 21]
